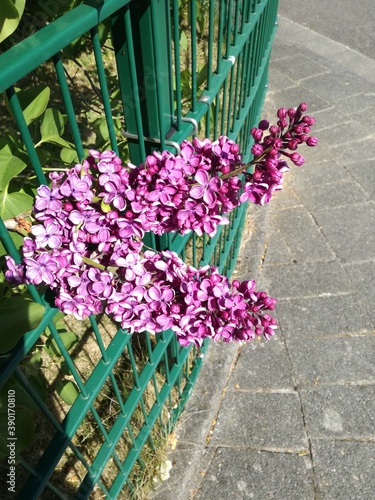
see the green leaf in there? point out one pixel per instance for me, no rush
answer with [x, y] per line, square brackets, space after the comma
[67, 390]
[23, 398]
[12, 204]
[57, 319]
[183, 40]
[69, 155]
[19, 315]
[52, 127]
[53, 123]
[104, 29]
[74, 48]
[36, 361]
[17, 240]
[10, 165]
[10, 16]
[24, 432]
[64, 368]
[69, 339]
[43, 155]
[202, 75]
[101, 132]
[105, 207]
[34, 101]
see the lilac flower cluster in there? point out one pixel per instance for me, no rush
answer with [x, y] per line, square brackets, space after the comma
[93, 258]
[86, 244]
[185, 192]
[274, 145]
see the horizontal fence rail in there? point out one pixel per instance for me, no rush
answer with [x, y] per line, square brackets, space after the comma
[132, 76]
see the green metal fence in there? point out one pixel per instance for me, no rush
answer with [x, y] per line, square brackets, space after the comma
[182, 68]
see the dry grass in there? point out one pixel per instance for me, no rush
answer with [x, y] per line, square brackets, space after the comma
[89, 437]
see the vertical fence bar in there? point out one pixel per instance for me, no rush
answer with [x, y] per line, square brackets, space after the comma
[104, 89]
[141, 38]
[60, 72]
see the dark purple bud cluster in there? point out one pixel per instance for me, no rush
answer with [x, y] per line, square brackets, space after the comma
[274, 145]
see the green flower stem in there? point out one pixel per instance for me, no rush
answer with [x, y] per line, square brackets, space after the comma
[92, 263]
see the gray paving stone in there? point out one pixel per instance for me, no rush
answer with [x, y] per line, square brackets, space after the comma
[298, 67]
[265, 420]
[357, 103]
[364, 172]
[317, 46]
[366, 118]
[301, 235]
[333, 195]
[258, 475]
[316, 155]
[362, 275]
[278, 252]
[305, 279]
[262, 365]
[325, 118]
[358, 64]
[277, 79]
[333, 86]
[206, 396]
[333, 361]
[322, 316]
[292, 97]
[321, 173]
[352, 152]
[286, 198]
[347, 131]
[344, 470]
[352, 238]
[345, 412]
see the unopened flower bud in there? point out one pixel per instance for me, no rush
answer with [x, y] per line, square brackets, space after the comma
[312, 141]
[270, 303]
[302, 107]
[297, 159]
[224, 314]
[292, 112]
[153, 169]
[151, 161]
[264, 124]
[309, 120]
[257, 150]
[273, 152]
[175, 308]
[236, 283]
[293, 144]
[298, 129]
[274, 130]
[257, 134]
[68, 206]
[271, 163]
[225, 169]
[281, 113]
[257, 175]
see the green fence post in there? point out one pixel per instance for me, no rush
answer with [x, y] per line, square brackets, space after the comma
[141, 39]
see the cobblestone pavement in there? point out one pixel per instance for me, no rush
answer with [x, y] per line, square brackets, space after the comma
[294, 418]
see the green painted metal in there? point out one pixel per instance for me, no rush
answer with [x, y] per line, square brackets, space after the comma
[160, 69]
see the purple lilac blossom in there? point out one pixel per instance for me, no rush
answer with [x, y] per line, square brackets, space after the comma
[88, 245]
